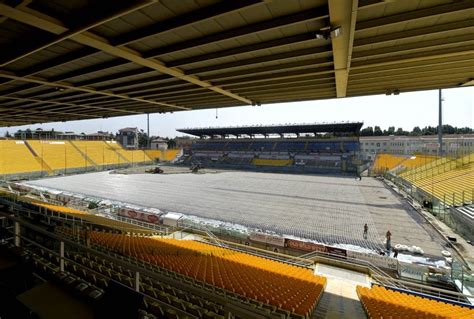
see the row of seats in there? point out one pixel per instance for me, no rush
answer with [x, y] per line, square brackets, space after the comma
[179, 299]
[450, 181]
[386, 162]
[380, 302]
[22, 157]
[278, 146]
[435, 166]
[15, 158]
[95, 219]
[272, 162]
[284, 286]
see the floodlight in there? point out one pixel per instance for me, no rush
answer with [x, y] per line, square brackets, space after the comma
[467, 83]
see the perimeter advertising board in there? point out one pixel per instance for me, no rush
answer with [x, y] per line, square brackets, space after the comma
[377, 260]
[305, 245]
[136, 214]
[273, 240]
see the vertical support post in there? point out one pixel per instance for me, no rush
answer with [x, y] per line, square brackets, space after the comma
[17, 234]
[440, 123]
[137, 281]
[61, 256]
[148, 130]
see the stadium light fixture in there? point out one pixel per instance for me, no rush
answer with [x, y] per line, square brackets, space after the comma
[467, 83]
[328, 32]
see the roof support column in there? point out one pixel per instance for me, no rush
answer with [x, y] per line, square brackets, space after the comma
[343, 14]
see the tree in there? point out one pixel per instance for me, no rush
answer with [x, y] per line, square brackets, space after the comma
[142, 139]
[378, 131]
[368, 131]
[416, 131]
[172, 143]
[401, 132]
[391, 130]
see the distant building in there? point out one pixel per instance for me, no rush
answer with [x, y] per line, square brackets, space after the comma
[159, 144]
[128, 137]
[453, 145]
[99, 136]
[38, 134]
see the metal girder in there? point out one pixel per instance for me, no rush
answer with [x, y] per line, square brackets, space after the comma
[415, 15]
[86, 38]
[163, 26]
[28, 50]
[10, 75]
[418, 32]
[304, 37]
[142, 86]
[200, 58]
[115, 76]
[271, 68]
[416, 83]
[400, 73]
[46, 112]
[344, 15]
[415, 46]
[22, 4]
[413, 65]
[189, 18]
[311, 14]
[414, 57]
[280, 75]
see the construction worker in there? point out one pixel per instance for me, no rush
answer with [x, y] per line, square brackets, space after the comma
[366, 230]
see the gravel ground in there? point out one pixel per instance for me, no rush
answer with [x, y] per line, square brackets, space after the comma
[323, 208]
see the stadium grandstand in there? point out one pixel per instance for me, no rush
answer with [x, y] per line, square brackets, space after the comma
[33, 158]
[296, 148]
[151, 242]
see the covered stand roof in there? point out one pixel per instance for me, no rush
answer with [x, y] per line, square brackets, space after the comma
[66, 60]
[351, 128]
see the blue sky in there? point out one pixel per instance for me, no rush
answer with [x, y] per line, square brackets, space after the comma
[406, 110]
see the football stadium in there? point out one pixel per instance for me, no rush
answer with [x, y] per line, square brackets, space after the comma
[306, 220]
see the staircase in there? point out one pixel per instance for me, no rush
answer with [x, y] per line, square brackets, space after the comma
[40, 160]
[87, 158]
[125, 161]
[340, 299]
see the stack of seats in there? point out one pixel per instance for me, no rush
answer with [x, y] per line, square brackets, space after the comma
[380, 302]
[95, 219]
[99, 152]
[451, 182]
[293, 289]
[132, 156]
[386, 162]
[272, 162]
[59, 155]
[156, 290]
[15, 158]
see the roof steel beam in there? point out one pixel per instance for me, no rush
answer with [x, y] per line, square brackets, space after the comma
[415, 57]
[212, 11]
[47, 102]
[65, 85]
[160, 27]
[418, 32]
[415, 15]
[68, 34]
[311, 14]
[86, 38]
[416, 46]
[343, 15]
